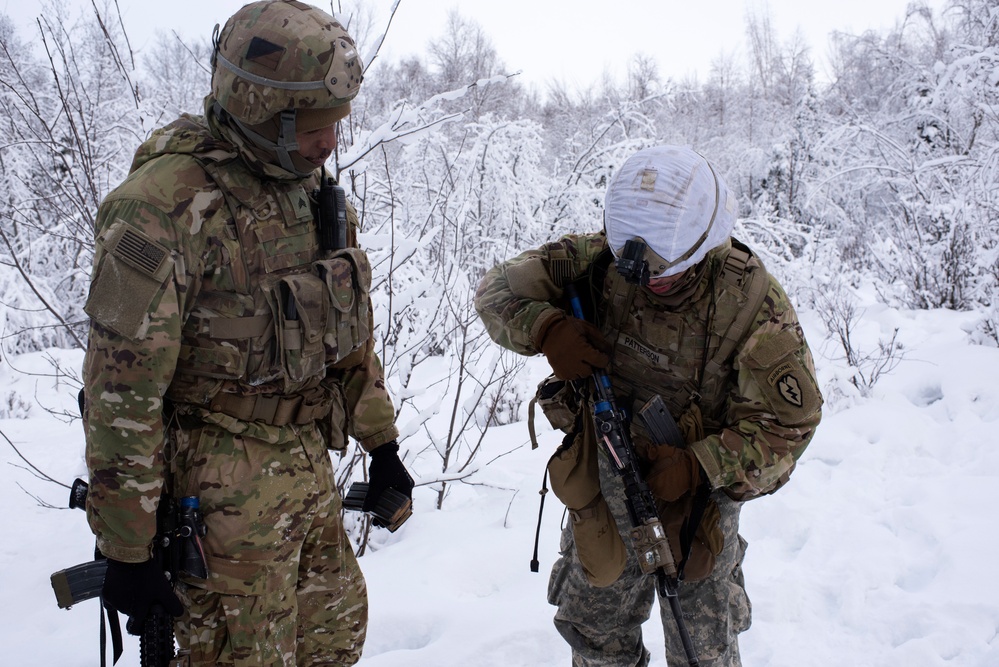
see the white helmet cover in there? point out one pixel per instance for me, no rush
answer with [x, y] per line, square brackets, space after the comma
[671, 198]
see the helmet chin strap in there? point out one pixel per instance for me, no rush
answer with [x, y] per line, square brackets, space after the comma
[286, 142]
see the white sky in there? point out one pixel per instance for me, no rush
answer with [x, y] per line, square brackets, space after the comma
[574, 41]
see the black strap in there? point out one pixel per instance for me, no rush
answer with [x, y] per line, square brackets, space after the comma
[541, 510]
[688, 530]
[104, 638]
[115, 627]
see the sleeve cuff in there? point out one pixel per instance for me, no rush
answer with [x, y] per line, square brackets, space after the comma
[122, 553]
[711, 467]
[380, 438]
[541, 323]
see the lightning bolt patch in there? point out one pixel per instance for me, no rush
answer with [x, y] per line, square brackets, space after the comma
[789, 390]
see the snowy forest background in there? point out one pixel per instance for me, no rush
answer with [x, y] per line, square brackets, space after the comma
[873, 191]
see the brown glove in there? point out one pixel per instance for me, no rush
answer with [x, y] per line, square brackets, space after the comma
[674, 473]
[574, 347]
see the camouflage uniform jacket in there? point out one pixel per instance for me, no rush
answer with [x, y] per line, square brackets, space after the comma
[758, 407]
[210, 295]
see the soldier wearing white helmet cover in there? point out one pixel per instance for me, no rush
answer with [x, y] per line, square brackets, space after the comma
[676, 309]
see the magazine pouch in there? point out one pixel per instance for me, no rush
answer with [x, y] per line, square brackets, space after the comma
[300, 305]
[575, 480]
[559, 401]
[708, 540]
[347, 279]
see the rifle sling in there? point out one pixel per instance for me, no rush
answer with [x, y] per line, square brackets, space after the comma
[688, 531]
[114, 624]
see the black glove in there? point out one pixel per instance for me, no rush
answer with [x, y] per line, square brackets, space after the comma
[386, 472]
[134, 588]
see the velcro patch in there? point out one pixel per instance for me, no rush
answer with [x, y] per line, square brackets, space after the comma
[777, 348]
[264, 53]
[529, 280]
[649, 180]
[128, 280]
[560, 270]
[135, 249]
[788, 386]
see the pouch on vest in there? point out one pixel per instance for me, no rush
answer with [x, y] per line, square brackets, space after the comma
[691, 424]
[347, 279]
[300, 312]
[333, 426]
[559, 402]
[575, 480]
[708, 540]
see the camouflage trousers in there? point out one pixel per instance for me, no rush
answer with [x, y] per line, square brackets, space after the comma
[284, 587]
[603, 626]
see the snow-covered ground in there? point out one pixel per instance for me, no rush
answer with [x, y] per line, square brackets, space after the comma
[881, 551]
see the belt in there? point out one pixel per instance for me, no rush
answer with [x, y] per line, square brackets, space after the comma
[273, 410]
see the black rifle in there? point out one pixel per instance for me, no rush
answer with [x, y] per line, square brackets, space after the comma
[176, 548]
[647, 535]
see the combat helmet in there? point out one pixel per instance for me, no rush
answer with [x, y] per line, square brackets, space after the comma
[281, 66]
[674, 202]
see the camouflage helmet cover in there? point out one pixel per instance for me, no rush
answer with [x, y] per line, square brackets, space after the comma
[283, 54]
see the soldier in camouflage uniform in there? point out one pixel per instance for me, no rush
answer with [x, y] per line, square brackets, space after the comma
[704, 326]
[229, 353]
